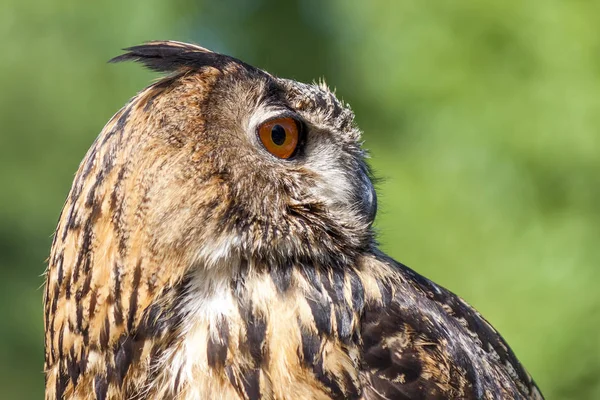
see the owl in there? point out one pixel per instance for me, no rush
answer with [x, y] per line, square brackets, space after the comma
[217, 243]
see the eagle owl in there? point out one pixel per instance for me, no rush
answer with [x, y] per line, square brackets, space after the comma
[217, 243]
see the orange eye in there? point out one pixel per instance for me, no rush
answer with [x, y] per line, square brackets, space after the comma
[280, 136]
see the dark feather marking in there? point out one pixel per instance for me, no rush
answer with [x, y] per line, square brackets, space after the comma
[312, 276]
[55, 234]
[138, 348]
[116, 205]
[82, 361]
[72, 221]
[87, 263]
[318, 302]
[108, 162]
[319, 101]
[159, 317]
[472, 377]
[137, 275]
[68, 288]
[123, 237]
[324, 377]
[89, 165]
[79, 311]
[249, 387]
[152, 324]
[238, 283]
[158, 88]
[85, 252]
[49, 355]
[73, 366]
[61, 338]
[234, 382]
[121, 123]
[86, 284]
[216, 349]
[338, 284]
[216, 353]
[343, 314]
[311, 347]
[91, 196]
[100, 387]
[124, 356]
[54, 306]
[321, 311]
[96, 211]
[61, 383]
[111, 375]
[386, 292]
[46, 298]
[255, 324]
[105, 334]
[124, 118]
[343, 317]
[256, 327]
[86, 339]
[281, 277]
[328, 287]
[118, 307]
[71, 326]
[93, 300]
[59, 265]
[114, 199]
[90, 162]
[358, 291]
[350, 387]
[251, 381]
[273, 94]
[335, 107]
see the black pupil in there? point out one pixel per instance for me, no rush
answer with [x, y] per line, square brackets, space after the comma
[278, 135]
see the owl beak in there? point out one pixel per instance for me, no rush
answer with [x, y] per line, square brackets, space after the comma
[366, 196]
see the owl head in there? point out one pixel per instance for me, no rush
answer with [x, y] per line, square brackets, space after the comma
[220, 159]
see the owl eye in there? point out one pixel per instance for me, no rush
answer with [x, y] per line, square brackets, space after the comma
[280, 136]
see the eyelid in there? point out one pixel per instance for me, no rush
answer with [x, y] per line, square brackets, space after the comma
[284, 113]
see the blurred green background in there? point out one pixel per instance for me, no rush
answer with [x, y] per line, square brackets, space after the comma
[482, 117]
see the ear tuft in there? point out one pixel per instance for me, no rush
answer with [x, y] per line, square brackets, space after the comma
[171, 56]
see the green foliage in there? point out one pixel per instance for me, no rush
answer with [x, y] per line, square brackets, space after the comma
[482, 119]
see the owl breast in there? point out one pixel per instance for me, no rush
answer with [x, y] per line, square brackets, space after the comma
[269, 334]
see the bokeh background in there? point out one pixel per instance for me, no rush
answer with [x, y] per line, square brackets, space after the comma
[482, 117]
